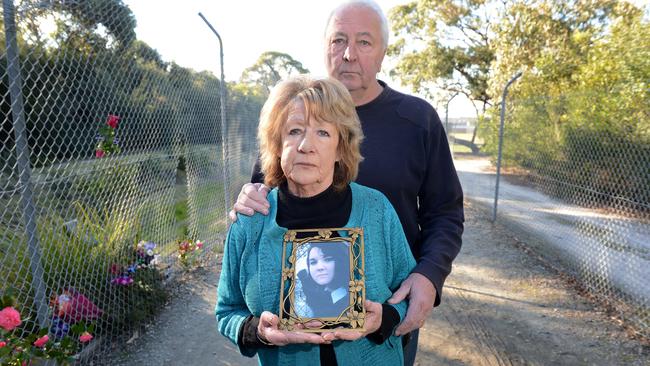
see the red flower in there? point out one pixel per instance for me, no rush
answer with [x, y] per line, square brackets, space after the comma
[41, 341]
[9, 318]
[112, 121]
[2, 344]
[115, 269]
[85, 337]
[99, 153]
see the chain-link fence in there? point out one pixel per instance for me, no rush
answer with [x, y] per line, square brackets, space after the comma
[575, 186]
[111, 169]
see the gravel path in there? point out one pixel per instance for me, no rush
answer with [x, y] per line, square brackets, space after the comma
[501, 306]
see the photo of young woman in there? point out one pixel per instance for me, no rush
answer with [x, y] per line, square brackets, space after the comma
[325, 280]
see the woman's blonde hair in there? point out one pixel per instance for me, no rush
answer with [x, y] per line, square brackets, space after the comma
[326, 100]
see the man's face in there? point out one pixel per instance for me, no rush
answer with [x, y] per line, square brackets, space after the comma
[354, 48]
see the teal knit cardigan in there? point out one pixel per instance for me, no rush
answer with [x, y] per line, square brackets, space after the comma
[251, 273]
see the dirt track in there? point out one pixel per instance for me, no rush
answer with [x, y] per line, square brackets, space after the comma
[500, 307]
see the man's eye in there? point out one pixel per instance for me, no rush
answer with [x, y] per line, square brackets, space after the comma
[364, 43]
[338, 41]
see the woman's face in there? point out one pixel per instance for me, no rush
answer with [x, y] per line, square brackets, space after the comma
[309, 152]
[321, 266]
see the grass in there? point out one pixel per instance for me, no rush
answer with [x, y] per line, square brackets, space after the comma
[460, 149]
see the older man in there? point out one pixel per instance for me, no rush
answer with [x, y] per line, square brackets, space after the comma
[406, 157]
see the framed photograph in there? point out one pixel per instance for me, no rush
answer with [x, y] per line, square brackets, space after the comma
[323, 280]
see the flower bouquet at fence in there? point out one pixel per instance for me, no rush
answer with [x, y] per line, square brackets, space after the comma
[19, 346]
[189, 252]
[137, 285]
[107, 142]
[145, 258]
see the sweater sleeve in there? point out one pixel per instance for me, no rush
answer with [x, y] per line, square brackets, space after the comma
[400, 253]
[256, 174]
[440, 211]
[231, 310]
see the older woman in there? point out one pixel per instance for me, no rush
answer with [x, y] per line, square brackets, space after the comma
[309, 137]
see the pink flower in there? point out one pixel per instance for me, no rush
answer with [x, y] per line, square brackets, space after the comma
[115, 269]
[85, 337]
[9, 318]
[2, 344]
[73, 307]
[99, 153]
[42, 341]
[199, 244]
[112, 120]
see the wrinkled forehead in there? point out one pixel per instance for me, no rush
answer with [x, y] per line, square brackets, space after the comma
[306, 111]
[296, 111]
[353, 20]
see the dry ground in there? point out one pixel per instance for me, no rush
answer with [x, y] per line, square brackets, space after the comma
[501, 306]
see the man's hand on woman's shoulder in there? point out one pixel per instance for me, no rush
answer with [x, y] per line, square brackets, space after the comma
[251, 199]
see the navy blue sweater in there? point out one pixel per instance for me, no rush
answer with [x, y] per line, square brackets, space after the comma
[407, 157]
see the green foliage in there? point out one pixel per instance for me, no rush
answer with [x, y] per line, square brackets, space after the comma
[91, 74]
[450, 46]
[580, 118]
[580, 115]
[268, 70]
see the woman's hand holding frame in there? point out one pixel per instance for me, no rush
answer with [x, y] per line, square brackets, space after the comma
[268, 333]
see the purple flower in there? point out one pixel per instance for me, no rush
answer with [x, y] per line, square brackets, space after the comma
[149, 246]
[122, 281]
[59, 328]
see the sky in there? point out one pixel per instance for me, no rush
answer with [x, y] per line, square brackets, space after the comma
[248, 28]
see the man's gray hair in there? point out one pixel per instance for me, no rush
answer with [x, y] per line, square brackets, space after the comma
[369, 4]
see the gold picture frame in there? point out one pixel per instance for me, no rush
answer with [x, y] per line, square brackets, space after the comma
[312, 289]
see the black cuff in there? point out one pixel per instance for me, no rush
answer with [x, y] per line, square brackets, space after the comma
[389, 320]
[248, 334]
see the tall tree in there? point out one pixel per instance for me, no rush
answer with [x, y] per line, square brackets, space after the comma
[449, 48]
[100, 22]
[444, 44]
[270, 68]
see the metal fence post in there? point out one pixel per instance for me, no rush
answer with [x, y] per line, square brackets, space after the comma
[503, 115]
[224, 134]
[23, 164]
[447, 114]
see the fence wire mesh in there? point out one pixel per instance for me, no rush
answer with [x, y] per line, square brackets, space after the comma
[111, 169]
[575, 184]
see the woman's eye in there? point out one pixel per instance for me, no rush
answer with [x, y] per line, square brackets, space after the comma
[294, 131]
[328, 259]
[312, 262]
[323, 133]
